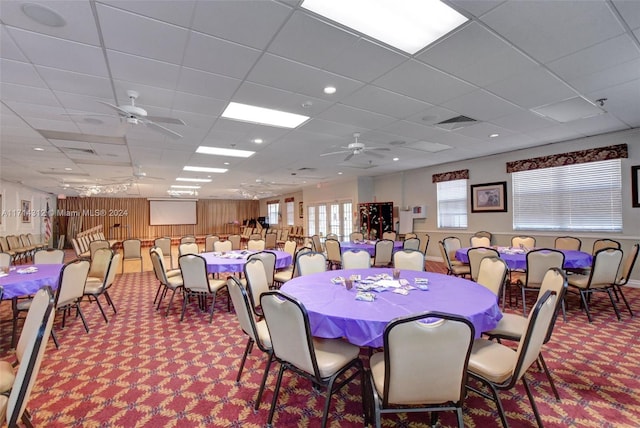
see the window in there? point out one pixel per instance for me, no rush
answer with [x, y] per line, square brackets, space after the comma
[334, 217]
[581, 197]
[452, 204]
[347, 219]
[290, 213]
[322, 220]
[311, 218]
[273, 209]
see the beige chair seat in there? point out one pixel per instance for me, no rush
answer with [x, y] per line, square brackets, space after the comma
[94, 280]
[263, 333]
[7, 376]
[283, 276]
[333, 354]
[93, 286]
[461, 269]
[216, 284]
[175, 281]
[173, 272]
[511, 325]
[492, 360]
[23, 305]
[582, 281]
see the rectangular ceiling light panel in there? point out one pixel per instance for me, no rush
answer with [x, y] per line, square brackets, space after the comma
[194, 180]
[263, 116]
[409, 25]
[205, 169]
[221, 151]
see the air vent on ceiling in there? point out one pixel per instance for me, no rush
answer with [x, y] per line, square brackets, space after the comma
[75, 150]
[456, 123]
[306, 168]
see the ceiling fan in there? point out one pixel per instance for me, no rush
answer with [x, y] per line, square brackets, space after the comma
[357, 148]
[138, 175]
[137, 115]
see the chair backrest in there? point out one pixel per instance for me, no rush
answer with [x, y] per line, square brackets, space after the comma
[164, 244]
[384, 252]
[4, 245]
[268, 259]
[408, 260]
[426, 358]
[244, 311]
[112, 271]
[285, 235]
[299, 252]
[5, 259]
[256, 280]
[391, 235]
[255, 236]
[331, 236]
[270, 241]
[189, 239]
[334, 253]
[311, 262]
[411, 244]
[49, 256]
[157, 260]
[209, 241]
[480, 241]
[188, 248]
[539, 262]
[290, 247]
[256, 245]
[76, 247]
[444, 255]
[356, 236]
[317, 245]
[424, 241]
[523, 241]
[95, 245]
[288, 325]
[604, 267]
[567, 243]
[410, 235]
[71, 282]
[100, 263]
[484, 234]
[32, 345]
[132, 249]
[235, 241]
[600, 244]
[476, 255]
[554, 281]
[356, 259]
[492, 274]
[625, 270]
[222, 246]
[194, 273]
[451, 245]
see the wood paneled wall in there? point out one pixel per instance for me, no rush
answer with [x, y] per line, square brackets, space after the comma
[213, 216]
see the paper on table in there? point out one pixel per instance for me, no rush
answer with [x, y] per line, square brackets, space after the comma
[389, 283]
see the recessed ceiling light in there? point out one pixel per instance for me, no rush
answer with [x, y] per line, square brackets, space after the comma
[226, 163]
[175, 186]
[221, 151]
[68, 169]
[494, 135]
[43, 15]
[194, 180]
[204, 169]
[408, 25]
[396, 159]
[263, 116]
[329, 90]
[258, 140]
[340, 173]
[38, 149]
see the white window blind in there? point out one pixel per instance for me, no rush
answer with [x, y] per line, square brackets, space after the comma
[452, 204]
[311, 220]
[272, 210]
[290, 213]
[582, 197]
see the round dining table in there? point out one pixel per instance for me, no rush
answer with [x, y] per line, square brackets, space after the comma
[19, 282]
[334, 311]
[368, 246]
[516, 258]
[234, 261]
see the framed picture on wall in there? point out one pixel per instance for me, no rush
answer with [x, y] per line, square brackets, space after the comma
[635, 186]
[300, 210]
[489, 197]
[26, 211]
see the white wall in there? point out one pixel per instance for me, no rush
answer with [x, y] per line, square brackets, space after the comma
[10, 209]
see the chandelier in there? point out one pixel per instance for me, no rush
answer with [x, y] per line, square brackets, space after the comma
[103, 189]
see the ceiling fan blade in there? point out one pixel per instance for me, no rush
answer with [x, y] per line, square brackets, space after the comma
[166, 131]
[116, 108]
[336, 153]
[374, 154]
[349, 156]
[162, 119]
[377, 148]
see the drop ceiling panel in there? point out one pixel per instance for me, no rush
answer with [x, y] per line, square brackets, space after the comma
[325, 127]
[412, 130]
[27, 94]
[264, 96]
[475, 7]
[135, 69]
[623, 101]
[523, 121]
[630, 11]
[349, 115]
[222, 57]
[150, 97]
[33, 110]
[610, 77]
[198, 104]
[174, 12]
[481, 105]
[8, 47]
[20, 73]
[76, 83]
[385, 102]
[207, 84]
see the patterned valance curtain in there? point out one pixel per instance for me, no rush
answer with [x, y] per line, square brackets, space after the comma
[288, 200]
[580, 156]
[462, 174]
[274, 201]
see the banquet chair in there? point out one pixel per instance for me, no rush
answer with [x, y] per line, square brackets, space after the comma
[269, 263]
[395, 386]
[189, 248]
[196, 283]
[70, 292]
[356, 259]
[321, 361]
[283, 238]
[332, 236]
[132, 250]
[383, 255]
[257, 283]
[512, 326]
[334, 254]
[256, 330]
[424, 242]
[256, 245]
[95, 245]
[500, 368]
[188, 239]
[32, 241]
[484, 234]
[410, 235]
[235, 241]
[356, 236]
[17, 385]
[4, 249]
[457, 269]
[480, 241]
[475, 255]
[492, 274]
[600, 244]
[5, 259]
[538, 263]
[316, 244]
[49, 256]
[602, 277]
[408, 260]
[285, 275]
[624, 273]
[411, 244]
[311, 262]
[567, 243]
[222, 246]
[209, 241]
[165, 283]
[290, 248]
[100, 264]
[390, 235]
[255, 236]
[523, 241]
[80, 253]
[95, 289]
[270, 241]
[451, 245]
[164, 244]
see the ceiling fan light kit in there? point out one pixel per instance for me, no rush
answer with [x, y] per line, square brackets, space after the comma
[357, 148]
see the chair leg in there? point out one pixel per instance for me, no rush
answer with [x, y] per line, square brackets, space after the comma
[264, 381]
[459, 417]
[163, 294]
[548, 373]
[624, 299]
[327, 400]
[276, 391]
[157, 294]
[170, 302]
[586, 305]
[108, 297]
[55, 339]
[533, 403]
[213, 303]
[84, 321]
[613, 303]
[102, 310]
[185, 297]
[247, 349]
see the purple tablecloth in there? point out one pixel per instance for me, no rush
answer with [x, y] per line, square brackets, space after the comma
[334, 312]
[217, 263]
[16, 285]
[370, 248]
[572, 259]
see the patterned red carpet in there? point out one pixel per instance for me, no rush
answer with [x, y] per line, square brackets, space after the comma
[145, 370]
